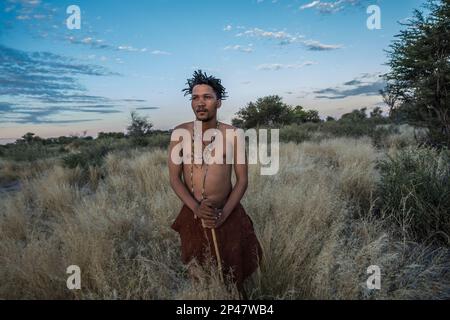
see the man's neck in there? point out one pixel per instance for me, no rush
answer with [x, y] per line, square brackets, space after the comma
[209, 124]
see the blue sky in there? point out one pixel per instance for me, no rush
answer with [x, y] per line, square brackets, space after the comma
[137, 55]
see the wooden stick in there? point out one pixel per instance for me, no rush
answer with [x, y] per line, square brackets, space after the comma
[216, 248]
[219, 260]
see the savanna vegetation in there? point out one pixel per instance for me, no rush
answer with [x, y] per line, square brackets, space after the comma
[365, 189]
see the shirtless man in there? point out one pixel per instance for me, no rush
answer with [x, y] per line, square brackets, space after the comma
[211, 201]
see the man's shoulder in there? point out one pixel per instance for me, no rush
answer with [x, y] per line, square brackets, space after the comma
[228, 126]
[189, 125]
[185, 125]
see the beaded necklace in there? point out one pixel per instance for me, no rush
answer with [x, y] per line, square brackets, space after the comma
[209, 148]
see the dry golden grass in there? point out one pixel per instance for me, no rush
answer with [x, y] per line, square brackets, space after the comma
[407, 135]
[11, 170]
[313, 220]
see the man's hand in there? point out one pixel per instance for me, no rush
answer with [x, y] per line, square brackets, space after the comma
[221, 219]
[206, 212]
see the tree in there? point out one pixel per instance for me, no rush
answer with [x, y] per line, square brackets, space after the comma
[29, 137]
[355, 115]
[114, 135]
[139, 127]
[300, 115]
[266, 111]
[390, 98]
[247, 117]
[272, 111]
[376, 113]
[420, 70]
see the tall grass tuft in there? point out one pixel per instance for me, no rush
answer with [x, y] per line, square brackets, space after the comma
[415, 192]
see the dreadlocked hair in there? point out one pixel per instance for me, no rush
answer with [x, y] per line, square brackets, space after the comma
[200, 77]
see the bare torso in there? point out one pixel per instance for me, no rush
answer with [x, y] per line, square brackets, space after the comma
[218, 176]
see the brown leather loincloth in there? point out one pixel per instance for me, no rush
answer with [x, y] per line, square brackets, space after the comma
[239, 248]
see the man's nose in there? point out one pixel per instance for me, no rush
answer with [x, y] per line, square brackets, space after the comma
[201, 103]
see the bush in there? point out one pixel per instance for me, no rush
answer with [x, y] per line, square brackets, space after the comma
[159, 140]
[140, 126]
[154, 140]
[89, 156]
[295, 133]
[28, 152]
[415, 192]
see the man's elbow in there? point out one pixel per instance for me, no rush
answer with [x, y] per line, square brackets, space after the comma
[174, 181]
[242, 182]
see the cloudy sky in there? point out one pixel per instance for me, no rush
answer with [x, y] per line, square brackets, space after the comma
[137, 55]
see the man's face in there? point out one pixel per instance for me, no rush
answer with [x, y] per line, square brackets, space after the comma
[204, 102]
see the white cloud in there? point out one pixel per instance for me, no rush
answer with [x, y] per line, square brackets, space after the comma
[279, 66]
[330, 6]
[127, 48]
[87, 40]
[133, 49]
[283, 37]
[310, 5]
[367, 84]
[240, 48]
[286, 38]
[228, 28]
[256, 32]
[317, 46]
[100, 44]
[159, 52]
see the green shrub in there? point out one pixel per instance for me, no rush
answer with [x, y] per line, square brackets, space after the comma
[89, 156]
[415, 192]
[138, 142]
[159, 140]
[346, 128]
[381, 133]
[28, 152]
[295, 133]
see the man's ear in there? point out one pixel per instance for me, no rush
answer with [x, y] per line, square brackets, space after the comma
[219, 104]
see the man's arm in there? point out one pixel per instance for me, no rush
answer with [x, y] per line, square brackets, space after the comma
[241, 172]
[175, 172]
